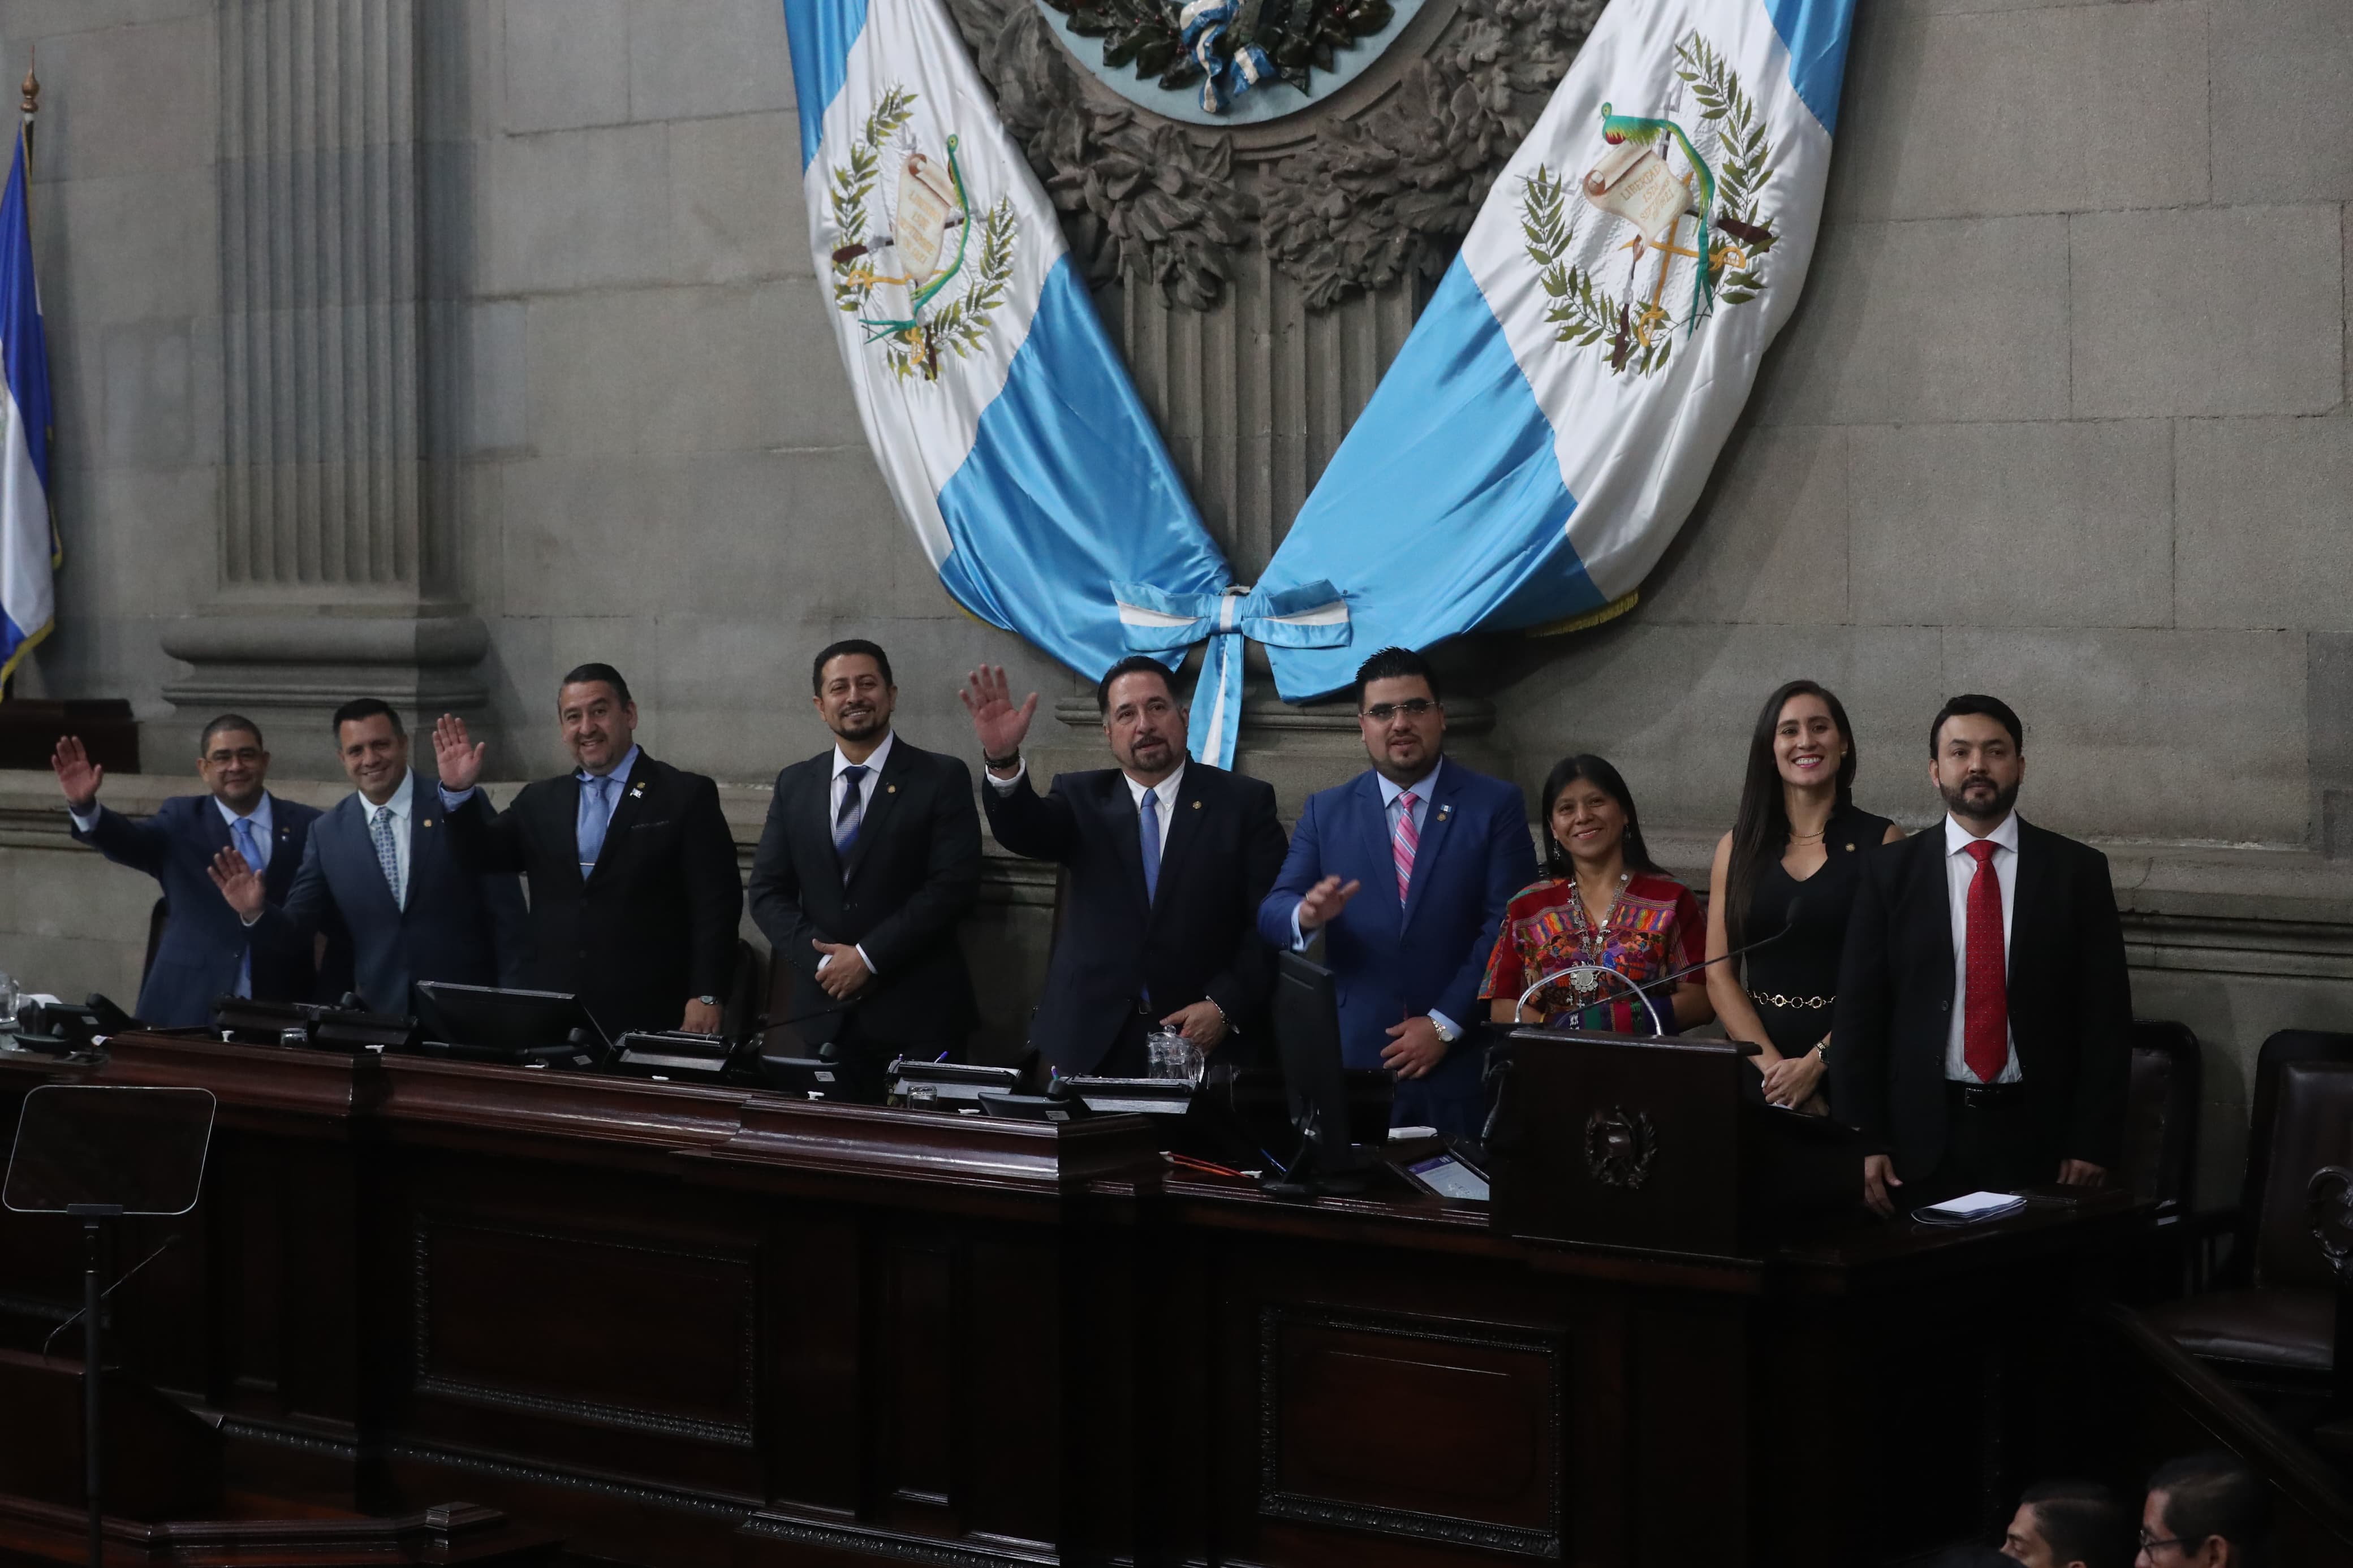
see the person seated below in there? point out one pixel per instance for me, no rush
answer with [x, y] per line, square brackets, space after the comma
[2208, 1510]
[1601, 905]
[2069, 1524]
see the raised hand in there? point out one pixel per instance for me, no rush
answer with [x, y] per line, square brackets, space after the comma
[1324, 901]
[460, 761]
[240, 883]
[1000, 726]
[77, 775]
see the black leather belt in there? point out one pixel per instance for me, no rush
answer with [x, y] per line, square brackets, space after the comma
[1982, 1096]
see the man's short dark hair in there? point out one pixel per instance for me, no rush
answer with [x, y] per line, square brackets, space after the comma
[2081, 1522]
[1993, 708]
[228, 721]
[1395, 664]
[585, 673]
[1134, 663]
[359, 708]
[847, 647]
[2215, 1493]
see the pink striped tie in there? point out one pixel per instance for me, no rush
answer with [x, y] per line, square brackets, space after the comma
[1408, 840]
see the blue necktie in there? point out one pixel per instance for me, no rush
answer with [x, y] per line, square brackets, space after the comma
[595, 816]
[1147, 818]
[852, 815]
[242, 831]
[387, 853]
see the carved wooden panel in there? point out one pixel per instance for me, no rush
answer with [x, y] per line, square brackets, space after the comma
[918, 1365]
[1403, 1426]
[527, 1320]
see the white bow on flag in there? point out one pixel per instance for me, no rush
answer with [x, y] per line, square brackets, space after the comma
[1313, 614]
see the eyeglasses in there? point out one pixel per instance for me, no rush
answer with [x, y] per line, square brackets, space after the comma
[2151, 1544]
[1412, 708]
[243, 755]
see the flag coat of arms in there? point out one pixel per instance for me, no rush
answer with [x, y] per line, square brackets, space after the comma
[1004, 421]
[1556, 410]
[28, 543]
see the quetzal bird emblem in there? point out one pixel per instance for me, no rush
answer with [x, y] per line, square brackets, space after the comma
[1617, 129]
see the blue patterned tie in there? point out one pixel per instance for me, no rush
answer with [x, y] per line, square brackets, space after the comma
[1147, 818]
[852, 815]
[242, 831]
[387, 853]
[594, 820]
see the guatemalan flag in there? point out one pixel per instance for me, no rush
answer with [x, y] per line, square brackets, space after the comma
[28, 543]
[1004, 421]
[1556, 410]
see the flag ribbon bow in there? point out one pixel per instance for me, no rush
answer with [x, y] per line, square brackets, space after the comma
[1313, 614]
[1204, 23]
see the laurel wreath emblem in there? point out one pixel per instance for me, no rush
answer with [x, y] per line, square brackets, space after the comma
[1635, 334]
[956, 324]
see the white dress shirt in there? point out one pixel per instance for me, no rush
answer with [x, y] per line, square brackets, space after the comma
[1391, 794]
[873, 766]
[1960, 869]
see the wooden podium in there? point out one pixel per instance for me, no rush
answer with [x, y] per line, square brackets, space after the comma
[1657, 1143]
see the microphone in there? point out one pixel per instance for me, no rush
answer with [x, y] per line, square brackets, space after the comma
[1641, 990]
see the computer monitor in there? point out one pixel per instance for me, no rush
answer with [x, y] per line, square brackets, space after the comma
[1315, 1080]
[484, 1023]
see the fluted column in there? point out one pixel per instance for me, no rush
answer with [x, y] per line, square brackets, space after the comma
[336, 572]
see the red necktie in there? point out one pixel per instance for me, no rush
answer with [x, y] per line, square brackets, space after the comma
[1985, 1016]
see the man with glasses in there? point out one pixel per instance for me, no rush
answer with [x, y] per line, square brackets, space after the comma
[1406, 868]
[205, 952]
[2208, 1510]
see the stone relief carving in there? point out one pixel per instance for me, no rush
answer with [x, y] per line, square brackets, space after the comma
[1359, 202]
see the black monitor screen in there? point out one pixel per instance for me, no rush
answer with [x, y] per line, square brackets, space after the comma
[488, 1019]
[1307, 1039]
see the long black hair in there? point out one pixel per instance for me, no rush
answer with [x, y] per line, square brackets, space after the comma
[1597, 771]
[1760, 833]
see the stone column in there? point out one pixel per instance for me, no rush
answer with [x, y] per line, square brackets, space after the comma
[338, 575]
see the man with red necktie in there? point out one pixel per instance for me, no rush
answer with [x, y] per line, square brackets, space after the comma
[1983, 1037]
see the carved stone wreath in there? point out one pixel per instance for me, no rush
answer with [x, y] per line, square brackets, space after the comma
[1298, 37]
[1619, 1147]
[1367, 202]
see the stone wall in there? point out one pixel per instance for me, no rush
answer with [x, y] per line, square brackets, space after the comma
[2061, 417]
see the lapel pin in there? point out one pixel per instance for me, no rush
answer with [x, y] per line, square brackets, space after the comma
[1850, 847]
[426, 822]
[890, 789]
[639, 793]
[1196, 806]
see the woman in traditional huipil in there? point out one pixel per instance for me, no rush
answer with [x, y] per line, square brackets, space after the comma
[1798, 829]
[1602, 903]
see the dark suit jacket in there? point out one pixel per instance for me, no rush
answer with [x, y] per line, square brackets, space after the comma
[653, 926]
[455, 926]
[1195, 940]
[907, 882]
[203, 941]
[1390, 962]
[2070, 1001]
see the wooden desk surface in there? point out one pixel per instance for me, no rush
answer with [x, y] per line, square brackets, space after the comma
[699, 1325]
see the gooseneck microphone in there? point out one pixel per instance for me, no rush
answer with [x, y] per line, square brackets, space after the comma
[1789, 924]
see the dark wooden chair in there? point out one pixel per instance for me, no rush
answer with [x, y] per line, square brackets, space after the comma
[2277, 1333]
[2160, 1162]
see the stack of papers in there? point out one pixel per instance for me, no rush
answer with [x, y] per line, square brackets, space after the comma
[1969, 1209]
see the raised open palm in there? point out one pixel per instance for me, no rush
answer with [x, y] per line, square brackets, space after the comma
[77, 776]
[1000, 726]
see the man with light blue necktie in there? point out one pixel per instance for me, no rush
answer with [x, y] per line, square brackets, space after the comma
[635, 897]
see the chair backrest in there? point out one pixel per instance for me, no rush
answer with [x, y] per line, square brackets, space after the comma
[2312, 1126]
[2160, 1160]
[2283, 1047]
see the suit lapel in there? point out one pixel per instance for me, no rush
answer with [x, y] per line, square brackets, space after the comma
[1379, 892]
[2027, 895]
[1183, 828]
[878, 807]
[634, 800]
[360, 816]
[278, 877]
[1437, 822]
[1934, 902]
[425, 828]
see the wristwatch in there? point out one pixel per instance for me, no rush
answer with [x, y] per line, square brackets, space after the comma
[1446, 1035]
[708, 1001]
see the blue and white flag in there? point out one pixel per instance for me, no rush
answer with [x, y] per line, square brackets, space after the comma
[1553, 415]
[28, 543]
[1004, 421]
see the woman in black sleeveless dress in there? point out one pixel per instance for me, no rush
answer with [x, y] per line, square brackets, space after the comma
[1794, 855]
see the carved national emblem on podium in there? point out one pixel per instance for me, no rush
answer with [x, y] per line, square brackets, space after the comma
[1619, 1147]
[915, 264]
[1666, 226]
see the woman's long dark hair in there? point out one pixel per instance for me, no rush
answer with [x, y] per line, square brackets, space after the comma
[1760, 833]
[1611, 783]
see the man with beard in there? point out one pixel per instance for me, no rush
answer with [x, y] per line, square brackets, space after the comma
[1167, 859]
[1407, 869]
[634, 892]
[1984, 1014]
[869, 859]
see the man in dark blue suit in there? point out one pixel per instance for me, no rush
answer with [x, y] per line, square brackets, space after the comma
[1406, 869]
[204, 952]
[380, 862]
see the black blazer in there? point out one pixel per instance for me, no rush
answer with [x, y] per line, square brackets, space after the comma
[908, 882]
[653, 926]
[1199, 938]
[2070, 1001]
[455, 926]
[203, 942]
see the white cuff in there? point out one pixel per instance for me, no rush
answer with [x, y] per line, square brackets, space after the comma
[249, 921]
[1448, 1030]
[1003, 787]
[1299, 939]
[451, 802]
[83, 823]
[862, 958]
